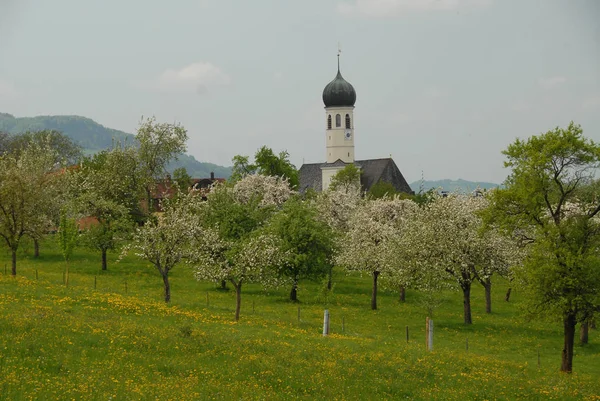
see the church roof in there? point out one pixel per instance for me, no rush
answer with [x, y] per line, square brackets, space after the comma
[339, 92]
[372, 171]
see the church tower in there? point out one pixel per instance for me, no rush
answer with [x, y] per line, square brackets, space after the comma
[339, 98]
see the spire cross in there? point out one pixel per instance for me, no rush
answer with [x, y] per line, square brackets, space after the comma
[338, 54]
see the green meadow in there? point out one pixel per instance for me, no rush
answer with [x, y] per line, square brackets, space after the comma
[108, 336]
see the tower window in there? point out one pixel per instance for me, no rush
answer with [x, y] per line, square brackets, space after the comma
[348, 154]
[329, 121]
[348, 121]
[338, 120]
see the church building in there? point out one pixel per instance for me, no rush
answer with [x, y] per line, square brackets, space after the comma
[339, 97]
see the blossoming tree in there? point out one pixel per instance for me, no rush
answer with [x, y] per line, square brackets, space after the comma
[234, 247]
[448, 240]
[172, 238]
[371, 234]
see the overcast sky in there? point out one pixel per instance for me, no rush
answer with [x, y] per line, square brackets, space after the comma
[442, 85]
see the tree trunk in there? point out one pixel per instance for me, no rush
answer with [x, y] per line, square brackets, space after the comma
[165, 277]
[224, 285]
[403, 294]
[592, 324]
[36, 248]
[584, 334]
[488, 295]
[104, 266]
[294, 292]
[238, 300]
[467, 303]
[374, 295]
[14, 262]
[507, 297]
[330, 278]
[567, 352]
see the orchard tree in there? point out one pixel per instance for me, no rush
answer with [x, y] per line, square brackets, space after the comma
[171, 239]
[448, 239]
[252, 259]
[30, 187]
[306, 241]
[553, 195]
[66, 152]
[335, 208]
[266, 163]
[235, 249]
[159, 143]
[371, 234]
[108, 187]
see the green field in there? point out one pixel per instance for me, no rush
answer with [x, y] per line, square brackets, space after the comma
[109, 336]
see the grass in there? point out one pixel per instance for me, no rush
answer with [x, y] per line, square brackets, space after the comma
[120, 341]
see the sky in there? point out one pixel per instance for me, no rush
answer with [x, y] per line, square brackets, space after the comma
[443, 86]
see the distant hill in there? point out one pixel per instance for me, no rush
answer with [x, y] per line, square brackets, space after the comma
[459, 185]
[93, 137]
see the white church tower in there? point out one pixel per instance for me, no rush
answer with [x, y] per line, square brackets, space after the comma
[339, 97]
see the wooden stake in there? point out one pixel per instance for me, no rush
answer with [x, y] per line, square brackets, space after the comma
[427, 333]
[467, 344]
[407, 334]
[326, 323]
[94, 282]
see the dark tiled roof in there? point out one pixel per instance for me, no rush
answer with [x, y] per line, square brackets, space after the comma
[310, 176]
[372, 171]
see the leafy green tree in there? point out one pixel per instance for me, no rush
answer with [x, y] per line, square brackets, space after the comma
[159, 144]
[66, 151]
[30, 190]
[182, 179]
[266, 163]
[306, 241]
[67, 235]
[551, 199]
[108, 188]
[381, 189]
[346, 179]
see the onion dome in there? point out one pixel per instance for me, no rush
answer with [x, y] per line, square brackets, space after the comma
[339, 92]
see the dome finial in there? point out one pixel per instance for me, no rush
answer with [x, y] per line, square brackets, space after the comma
[338, 55]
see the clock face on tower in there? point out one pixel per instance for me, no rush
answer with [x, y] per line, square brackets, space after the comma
[348, 135]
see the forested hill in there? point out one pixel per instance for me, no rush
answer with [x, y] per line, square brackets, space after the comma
[93, 137]
[459, 185]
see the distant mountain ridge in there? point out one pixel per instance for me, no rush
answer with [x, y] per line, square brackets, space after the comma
[94, 137]
[459, 185]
